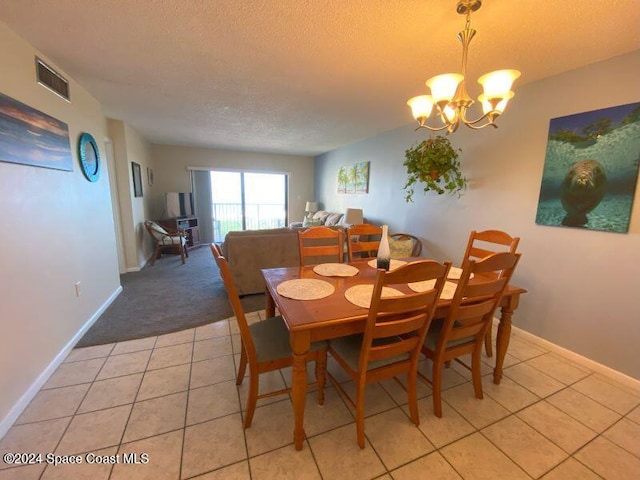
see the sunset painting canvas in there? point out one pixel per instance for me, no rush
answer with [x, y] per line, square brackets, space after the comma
[30, 137]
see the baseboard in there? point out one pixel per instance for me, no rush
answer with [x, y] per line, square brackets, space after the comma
[35, 387]
[137, 269]
[579, 359]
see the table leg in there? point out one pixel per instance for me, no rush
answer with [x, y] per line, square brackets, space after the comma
[270, 307]
[300, 344]
[504, 334]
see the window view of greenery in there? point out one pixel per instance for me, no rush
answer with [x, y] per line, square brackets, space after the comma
[247, 201]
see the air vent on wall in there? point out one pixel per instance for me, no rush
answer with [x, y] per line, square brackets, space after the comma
[51, 79]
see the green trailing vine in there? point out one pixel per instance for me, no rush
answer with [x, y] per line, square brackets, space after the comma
[434, 163]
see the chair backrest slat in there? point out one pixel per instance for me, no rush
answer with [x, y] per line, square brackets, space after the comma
[317, 244]
[482, 244]
[359, 241]
[406, 345]
[467, 330]
[477, 252]
[474, 311]
[399, 326]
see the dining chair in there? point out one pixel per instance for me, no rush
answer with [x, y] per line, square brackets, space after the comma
[318, 244]
[482, 244]
[394, 333]
[413, 248]
[363, 241]
[463, 330]
[265, 346]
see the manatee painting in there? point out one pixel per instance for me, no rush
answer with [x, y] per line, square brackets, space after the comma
[591, 170]
[582, 190]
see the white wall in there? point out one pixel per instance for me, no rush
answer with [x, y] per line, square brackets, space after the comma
[57, 230]
[171, 164]
[582, 284]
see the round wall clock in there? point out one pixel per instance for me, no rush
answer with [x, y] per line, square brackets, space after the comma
[89, 157]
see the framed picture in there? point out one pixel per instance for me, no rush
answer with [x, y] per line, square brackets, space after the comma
[31, 137]
[591, 169]
[137, 179]
[149, 177]
[354, 178]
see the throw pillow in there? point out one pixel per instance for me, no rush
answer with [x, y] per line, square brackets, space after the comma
[157, 228]
[307, 222]
[321, 216]
[400, 248]
[333, 219]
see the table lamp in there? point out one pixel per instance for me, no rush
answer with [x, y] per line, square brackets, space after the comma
[311, 208]
[353, 217]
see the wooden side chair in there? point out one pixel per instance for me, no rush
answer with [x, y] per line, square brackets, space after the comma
[360, 243]
[174, 241]
[463, 330]
[265, 345]
[482, 244]
[400, 239]
[393, 336]
[317, 244]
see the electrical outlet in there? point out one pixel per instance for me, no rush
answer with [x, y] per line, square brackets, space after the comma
[78, 289]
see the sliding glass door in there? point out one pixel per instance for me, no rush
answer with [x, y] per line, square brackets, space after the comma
[247, 201]
[226, 203]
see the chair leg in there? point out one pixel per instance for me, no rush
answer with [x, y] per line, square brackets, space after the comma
[252, 399]
[156, 255]
[476, 375]
[242, 368]
[487, 340]
[412, 396]
[360, 391]
[436, 385]
[321, 368]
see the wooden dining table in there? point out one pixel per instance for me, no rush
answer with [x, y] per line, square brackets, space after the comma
[334, 316]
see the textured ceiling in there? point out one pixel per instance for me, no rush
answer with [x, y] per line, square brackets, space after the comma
[301, 76]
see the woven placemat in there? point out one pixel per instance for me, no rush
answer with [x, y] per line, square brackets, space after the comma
[455, 273]
[392, 265]
[335, 270]
[305, 289]
[360, 295]
[448, 291]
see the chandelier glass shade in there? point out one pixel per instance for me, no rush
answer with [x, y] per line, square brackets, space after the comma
[449, 99]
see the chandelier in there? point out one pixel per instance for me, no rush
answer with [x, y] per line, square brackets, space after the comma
[449, 98]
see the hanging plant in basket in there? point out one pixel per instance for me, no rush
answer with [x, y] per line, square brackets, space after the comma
[434, 163]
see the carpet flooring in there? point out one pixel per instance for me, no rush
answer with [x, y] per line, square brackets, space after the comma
[166, 298]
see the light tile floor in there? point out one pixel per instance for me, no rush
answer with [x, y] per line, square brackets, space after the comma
[171, 403]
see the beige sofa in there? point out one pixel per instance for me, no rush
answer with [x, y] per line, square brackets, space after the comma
[249, 251]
